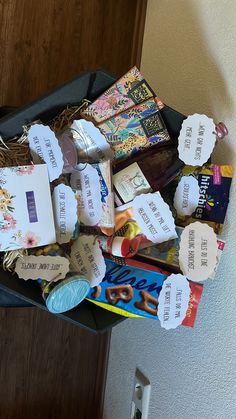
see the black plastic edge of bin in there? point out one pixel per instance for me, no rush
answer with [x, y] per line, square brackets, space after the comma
[87, 85]
[16, 292]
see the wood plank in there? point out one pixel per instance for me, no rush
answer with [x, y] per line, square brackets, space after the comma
[49, 368]
[45, 43]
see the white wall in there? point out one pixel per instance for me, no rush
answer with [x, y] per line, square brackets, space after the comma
[189, 57]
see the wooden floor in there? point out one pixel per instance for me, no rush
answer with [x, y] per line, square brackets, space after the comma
[49, 368]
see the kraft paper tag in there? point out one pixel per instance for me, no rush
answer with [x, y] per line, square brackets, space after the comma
[173, 301]
[154, 217]
[50, 268]
[90, 139]
[88, 260]
[44, 146]
[196, 139]
[186, 196]
[198, 251]
[87, 184]
[65, 212]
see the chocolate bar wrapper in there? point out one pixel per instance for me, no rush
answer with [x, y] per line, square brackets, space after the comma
[132, 290]
[214, 186]
[167, 253]
[136, 129]
[128, 91]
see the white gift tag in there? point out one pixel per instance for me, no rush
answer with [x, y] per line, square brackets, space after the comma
[154, 217]
[44, 146]
[87, 184]
[90, 139]
[65, 212]
[50, 268]
[186, 195]
[198, 251]
[173, 301]
[88, 260]
[196, 139]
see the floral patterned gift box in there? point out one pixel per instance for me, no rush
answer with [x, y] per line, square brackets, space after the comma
[26, 217]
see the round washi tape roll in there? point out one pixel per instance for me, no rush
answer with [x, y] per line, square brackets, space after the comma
[67, 294]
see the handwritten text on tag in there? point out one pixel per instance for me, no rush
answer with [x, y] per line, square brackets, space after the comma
[154, 217]
[173, 301]
[87, 258]
[196, 139]
[50, 268]
[198, 251]
[87, 184]
[65, 212]
[44, 146]
[186, 196]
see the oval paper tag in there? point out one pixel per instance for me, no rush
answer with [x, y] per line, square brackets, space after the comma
[87, 184]
[196, 139]
[65, 212]
[154, 217]
[44, 146]
[173, 301]
[198, 251]
[50, 268]
[91, 143]
[186, 196]
[88, 260]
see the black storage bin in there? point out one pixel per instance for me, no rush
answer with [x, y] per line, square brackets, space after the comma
[15, 291]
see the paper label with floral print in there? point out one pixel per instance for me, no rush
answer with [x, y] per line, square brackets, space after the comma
[26, 217]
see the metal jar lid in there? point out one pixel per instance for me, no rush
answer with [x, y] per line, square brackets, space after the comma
[67, 294]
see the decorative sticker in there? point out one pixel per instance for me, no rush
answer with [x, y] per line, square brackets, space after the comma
[198, 251]
[154, 217]
[88, 260]
[44, 147]
[65, 212]
[196, 139]
[49, 268]
[173, 301]
[131, 182]
[186, 196]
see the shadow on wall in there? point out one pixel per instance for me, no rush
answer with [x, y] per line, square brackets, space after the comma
[178, 63]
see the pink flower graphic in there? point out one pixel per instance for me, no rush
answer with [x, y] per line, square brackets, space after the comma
[22, 170]
[10, 221]
[30, 240]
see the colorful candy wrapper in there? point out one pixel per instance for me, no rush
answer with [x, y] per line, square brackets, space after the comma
[136, 129]
[214, 188]
[128, 91]
[132, 291]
